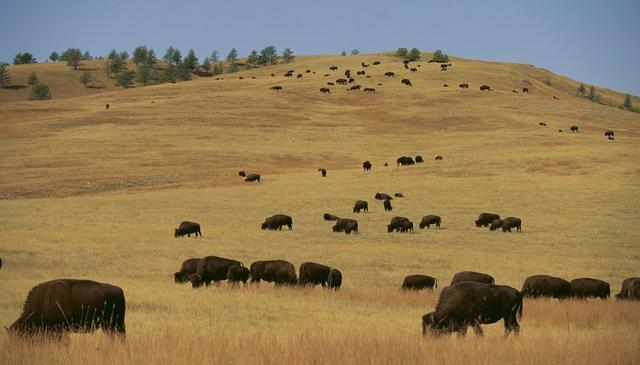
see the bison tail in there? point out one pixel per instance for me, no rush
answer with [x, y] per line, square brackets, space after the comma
[436, 283]
[519, 308]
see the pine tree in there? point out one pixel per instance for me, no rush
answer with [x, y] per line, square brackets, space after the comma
[54, 56]
[214, 56]
[33, 79]
[144, 75]
[355, 52]
[39, 91]
[402, 53]
[439, 57]
[191, 61]
[206, 64]
[85, 78]
[5, 80]
[232, 56]
[112, 55]
[125, 78]
[217, 69]
[287, 55]
[593, 95]
[140, 55]
[253, 59]
[117, 65]
[170, 73]
[343, 53]
[268, 56]
[151, 57]
[627, 102]
[86, 56]
[22, 58]
[581, 89]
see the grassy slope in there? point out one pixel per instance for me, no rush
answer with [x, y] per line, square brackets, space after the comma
[171, 152]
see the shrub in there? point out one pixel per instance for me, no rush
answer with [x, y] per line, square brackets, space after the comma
[125, 78]
[287, 55]
[439, 57]
[54, 56]
[414, 55]
[85, 78]
[627, 102]
[33, 79]
[402, 53]
[5, 80]
[22, 58]
[581, 89]
[39, 91]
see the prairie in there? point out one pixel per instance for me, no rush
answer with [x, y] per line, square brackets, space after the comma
[87, 192]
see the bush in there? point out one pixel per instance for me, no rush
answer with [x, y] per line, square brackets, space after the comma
[232, 68]
[402, 53]
[414, 55]
[355, 52]
[54, 56]
[33, 79]
[593, 95]
[22, 58]
[217, 69]
[85, 78]
[439, 57]
[39, 91]
[343, 53]
[627, 102]
[5, 80]
[125, 78]
[581, 90]
[287, 55]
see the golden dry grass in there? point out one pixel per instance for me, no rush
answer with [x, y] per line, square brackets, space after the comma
[90, 193]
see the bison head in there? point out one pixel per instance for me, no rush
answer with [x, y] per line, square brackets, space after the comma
[179, 277]
[389, 228]
[196, 280]
[264, 225]
[176, 234]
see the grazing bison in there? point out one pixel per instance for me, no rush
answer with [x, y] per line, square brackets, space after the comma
[428, 220]
[346, 225]
[330, 83]
[276, 88]
[413, 69]
[187, 228]
[106, 106]
[485, 88]
[369, 90]
[464, 86]
[406, 82]
[376, 63]
[406, 226]
[68, 305]
[360, 205]
[240, 77]
[364, 64]
[405, 161]
[545, 286]
[445, 85]
[484, 219]
[288, 74]
[574, 128]
[341, 81]
[299, 76]
[396, 224]
[351, 79]
[389, 74]
[398, 195]
[387, 205]
[347, 73]
[473, 276]
[471, 304]
[560, 130]
[333, 68]
[325, 90]
[360, 73]
[276, 222]
[238, 273]
[308, 71]
[608, 133]
[419, 159]
[211, 268]
[252, 177]
[525, 90]
[323, 172]
[330, 217]
[383, 196]
[273, 75]
[242, 174]
[589, 288]
[438, 158]
[366, 165]
[419, 282]
[511, 222]
[495, 224]
[630, 289]
[542, 124]
[280, 272]
[314, 274]
[355, 88]
[188, 268]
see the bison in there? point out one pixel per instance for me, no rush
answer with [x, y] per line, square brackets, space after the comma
[470, 304]
[242, 174]
[484, 219]
[389, 74]
[413, 69]
[405, 161]
[406, 226]
[360, 205]
[542, 124]
[419, 282]
[238, 273]
[396, 224]
[473, 276]
[341, 81]
[211, 268]
[276, 222]
[188, 268]
[428, 220]
[330, 217]
[574, 128]
[280, 272]
[252, 177]
[330, 83]
[406, 82]
[545, 286]
[511, 222]
[609, 133]
[333, 68]
[366, 165]
[277, 87]
[369, 90]
[60, 306]
[314, 274]
[383, 196]
[419, 159]
[495, 224]
[323, 172]
[464, 86]
[398, 195]
[106, 106]
[355, 88]
[438, 158]
[485, 88]
[376, 63]
[187, 228]
[630, 289]
[525, 90]
[587, 287]
[325, 90]
[346, 225]
[387, 205]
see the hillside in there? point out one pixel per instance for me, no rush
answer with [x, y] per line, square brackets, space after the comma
[87, 192]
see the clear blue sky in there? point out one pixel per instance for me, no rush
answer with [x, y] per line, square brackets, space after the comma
[592, 41]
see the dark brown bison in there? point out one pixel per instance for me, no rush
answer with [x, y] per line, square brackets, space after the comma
[188, 268]
[405, 161]
[252, 177]
[413, 69]
[438, 158]
[364, 64]
[472, 276]
[396, 224]
[610, 138]
[609, 133]
[464, 86]
[495, 224]
[299, 76]
[406, 82]
[366, 165]
[630, 289]
[211, 268]
[398, 195]
[330, 83]
[428, 220]
[590, 288]
[277, 87]
[360, 72]
[369, 90]
[574, 128]
[389, 74]
[471, 304]
[347, 73]
[59, 306]
[545, 286]
[445, 85]
[314, 274]
[542, 124]
[355, 88]
[511, 222]
[387, 205]
[360, 205]
[323, 172]
[276, 222]
[187, 228]
[376, 63]
[333, 68]
[525, 90]
[242, 174]
[419, 282]
[330, 217]
[419, 159]
[351, 79]
[341, 81]
[238, 273]
[485, 88]
[560, 130]
[280, 272]
[106, 106]
[484, 219]
[406, 227]
[325, 90]
[346, 225]
[383, 196]
[308, 71]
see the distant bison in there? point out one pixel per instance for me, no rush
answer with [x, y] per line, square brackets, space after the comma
[398, 195]
[413, 69]
[438, 158]
[366, 165]
[525, 90]
[406, 82]
[276, 222]
[495, 224]
[346, 225]
[511, 222]
[187, 228]
[238, 273]
[252, 177]
[106, 106]
[485, 88]
[360, 205]
[188, 268]
[406, 226]
[545, 286]
[429, 220]
[419, 282]
[323, 172]
[277, 87]
[68, 305]
[341, 81]
[369, 90]
[464, 86]
[314, 274]
[396, 224]
[630, 289]
[333, 68]
[375, 63]
[389, 74]
[419, 159]
[387, 205]
[473, 276]
[360, 72]
[405, 161]
[325, 90]
[280, 272]
[330, 217]
[471, 304]
[574, 128]
[590, 288]
[242, 174]
[211, 269]
[542, 124]
[608, 133]
[383, 196]
[330, 83]
[484, 219]
[355, 88]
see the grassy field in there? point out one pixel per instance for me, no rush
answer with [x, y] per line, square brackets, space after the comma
[94, 193]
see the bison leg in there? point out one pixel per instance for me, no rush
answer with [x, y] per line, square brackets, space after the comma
[477, 329]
